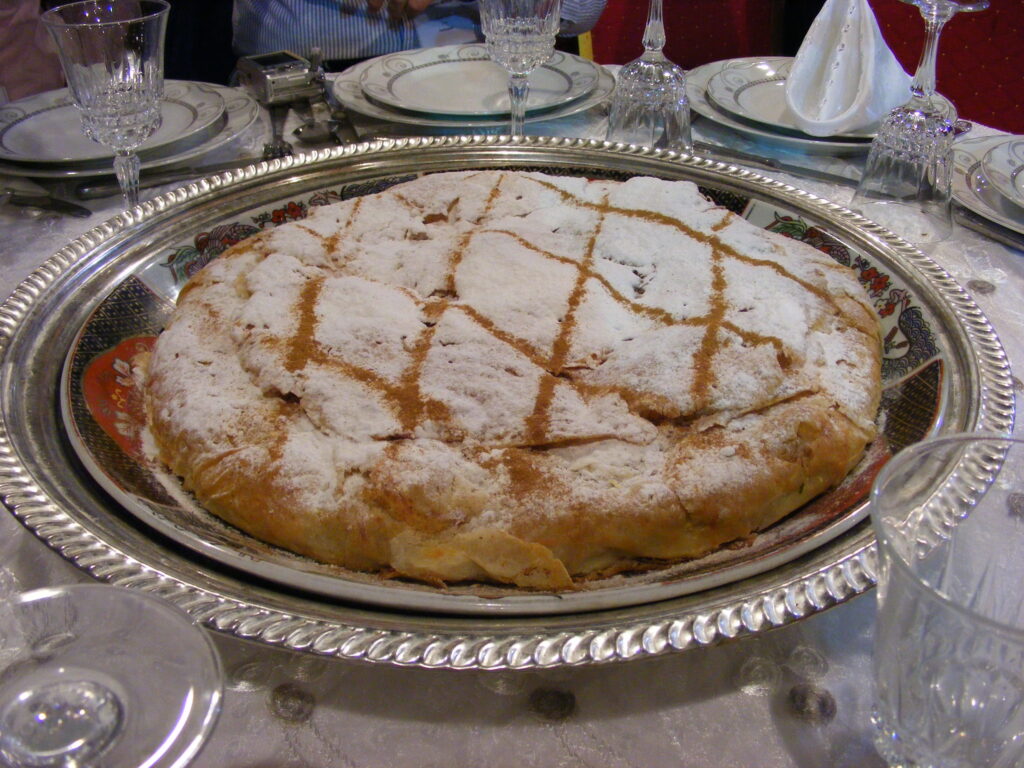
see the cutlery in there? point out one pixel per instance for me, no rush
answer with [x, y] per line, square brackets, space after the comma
[988, 228]
[315, 115]
[313, 133]
[277, 147]
[716, 152]
[91, 190]
[47, 203]
[324, 119]
[342, 129]
[325, 124]
[345, 133]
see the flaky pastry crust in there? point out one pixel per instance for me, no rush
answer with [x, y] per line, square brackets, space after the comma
[515, 378]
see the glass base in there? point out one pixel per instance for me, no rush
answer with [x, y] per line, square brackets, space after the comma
[655, 128]
[889, 744]
[907, 181]
[58, 724]
[900, 752]
[107, 677]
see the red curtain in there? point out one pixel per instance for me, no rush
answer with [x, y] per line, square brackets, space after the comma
[980, 58]
[696, 31]
[980, 54]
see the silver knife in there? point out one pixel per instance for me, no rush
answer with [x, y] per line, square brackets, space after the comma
[90, 190]
[771, 164]
[345, 133]
[45, 203]
[988, 228]
[342, 129]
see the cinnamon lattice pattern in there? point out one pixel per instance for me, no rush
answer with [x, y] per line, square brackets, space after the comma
[407, 396]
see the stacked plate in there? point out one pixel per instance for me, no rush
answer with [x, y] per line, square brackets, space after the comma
[41, 136]
[989, 178]
[459, 87]
[749, 96]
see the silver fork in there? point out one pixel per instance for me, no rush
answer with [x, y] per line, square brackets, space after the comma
[277, 147]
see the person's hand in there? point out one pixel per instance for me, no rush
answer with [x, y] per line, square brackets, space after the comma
[399, 9]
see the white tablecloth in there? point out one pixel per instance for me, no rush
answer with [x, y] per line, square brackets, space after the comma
[797, 696]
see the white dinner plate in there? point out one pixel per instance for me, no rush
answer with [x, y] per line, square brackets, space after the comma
[462, 80]
[240, 111]
[46, 128]
[975, 191]
[697, 80]
[756, 91]
[347, 90]
[1003, 165]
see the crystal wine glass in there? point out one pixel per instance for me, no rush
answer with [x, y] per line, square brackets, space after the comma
[649, 105]
[949, 636]
[520, 36]
[112, 55]
[98, 675]
[907, 182]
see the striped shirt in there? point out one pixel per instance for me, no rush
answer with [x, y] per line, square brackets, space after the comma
[347, 29]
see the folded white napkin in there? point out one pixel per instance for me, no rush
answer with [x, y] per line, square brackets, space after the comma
[844, 77]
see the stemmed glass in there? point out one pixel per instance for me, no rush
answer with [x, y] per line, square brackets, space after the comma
[100, 675]
[520, 36]
[649, 105]
[113, 59]
[907, 182]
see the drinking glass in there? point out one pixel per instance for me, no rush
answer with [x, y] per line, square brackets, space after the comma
[948, 515]
[520, 36]
[112, 53]
[649, 104]
[907, 182]
[100, 675]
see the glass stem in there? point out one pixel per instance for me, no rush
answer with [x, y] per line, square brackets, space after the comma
[654, 32]
[518, 90]
[923, 85]
[126, 168]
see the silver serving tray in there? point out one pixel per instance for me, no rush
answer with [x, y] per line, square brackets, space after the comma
[44, 484]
